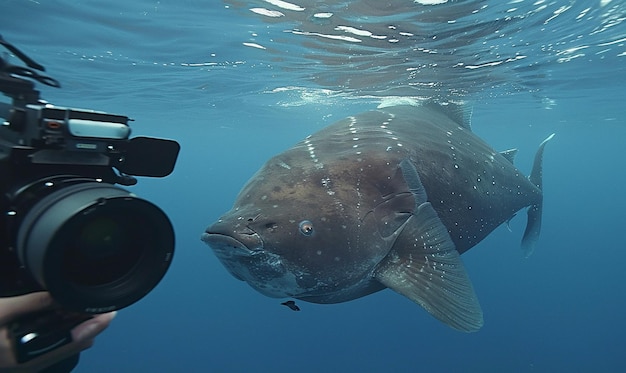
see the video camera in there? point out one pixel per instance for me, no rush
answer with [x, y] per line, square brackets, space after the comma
[65, 227]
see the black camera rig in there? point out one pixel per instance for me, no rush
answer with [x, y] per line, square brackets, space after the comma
[64, 226]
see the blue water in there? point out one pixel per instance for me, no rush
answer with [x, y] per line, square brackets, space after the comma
[529, 68]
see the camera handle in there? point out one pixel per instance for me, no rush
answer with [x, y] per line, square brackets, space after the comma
[22, 71]
[12, 83]
[41, 332]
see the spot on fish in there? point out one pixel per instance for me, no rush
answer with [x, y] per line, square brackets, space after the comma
[284, 165]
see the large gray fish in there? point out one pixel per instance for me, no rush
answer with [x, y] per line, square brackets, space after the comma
[388, 198]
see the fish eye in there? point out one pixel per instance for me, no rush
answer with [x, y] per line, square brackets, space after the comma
[306, 227]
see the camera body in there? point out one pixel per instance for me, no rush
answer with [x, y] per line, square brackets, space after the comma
[65, 226]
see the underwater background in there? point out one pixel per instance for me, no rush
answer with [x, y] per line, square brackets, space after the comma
[236, 82]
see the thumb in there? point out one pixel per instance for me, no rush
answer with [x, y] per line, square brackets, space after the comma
[92, 327]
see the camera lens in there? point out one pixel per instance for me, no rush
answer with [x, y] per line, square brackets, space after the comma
[104, 248]
[96, 247]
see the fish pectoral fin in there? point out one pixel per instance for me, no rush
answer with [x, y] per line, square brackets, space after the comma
[425, 267]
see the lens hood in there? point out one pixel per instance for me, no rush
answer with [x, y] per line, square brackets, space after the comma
[95, 247]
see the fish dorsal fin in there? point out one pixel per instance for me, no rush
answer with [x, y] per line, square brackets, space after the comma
[509, 155]
[425, 267]
[460, 113]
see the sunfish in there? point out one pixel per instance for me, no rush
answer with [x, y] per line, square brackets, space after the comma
[385, 199]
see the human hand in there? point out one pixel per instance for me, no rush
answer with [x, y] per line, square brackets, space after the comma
[83, 335]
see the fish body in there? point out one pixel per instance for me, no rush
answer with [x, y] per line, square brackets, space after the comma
[384, 199]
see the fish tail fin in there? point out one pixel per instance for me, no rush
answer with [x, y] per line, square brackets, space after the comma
[533, 225]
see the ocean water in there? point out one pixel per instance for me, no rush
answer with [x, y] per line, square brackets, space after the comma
[236, 82]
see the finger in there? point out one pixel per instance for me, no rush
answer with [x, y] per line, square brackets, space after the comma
[12, 307]
[92, 327]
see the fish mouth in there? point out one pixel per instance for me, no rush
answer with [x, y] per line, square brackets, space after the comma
[228, 238]
[235, 245]
[231, 252]
[227, 246]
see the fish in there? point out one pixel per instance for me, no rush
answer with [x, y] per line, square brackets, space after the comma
[291, 304]
[389, 198]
